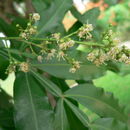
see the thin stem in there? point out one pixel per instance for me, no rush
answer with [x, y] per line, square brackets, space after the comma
[71, 34]
[18, 38]
[89, 44]
[40, 39]
[31, 43]
[33, 52]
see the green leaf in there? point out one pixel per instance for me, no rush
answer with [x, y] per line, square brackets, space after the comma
[111, 2]
[75, 27]
[47, 84]
[3, 66]
[2, 43]
[61, 121]
[61, 83]
[88, 17]
[75, 123]
[97, 100]
[61, 69]
[32, 109]
[52, 17]
[6, 110]
[108, 124]
[9, 31]
[80, 115]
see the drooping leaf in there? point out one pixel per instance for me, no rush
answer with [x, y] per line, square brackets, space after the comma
[74, 121]
[32, 110]
[97, 100]
[6, 110]
[80, 115]
[52, 17]
[108, 124]
[61, 121]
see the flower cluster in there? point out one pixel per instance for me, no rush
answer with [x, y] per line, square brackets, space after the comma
[109, 39]
[118, 54]
[30, 29]
[110, 51]
[66, 43]
[85, 31]
[11, 68]
[24, 66]
[57, 46]
[98, 57]
[56, 36]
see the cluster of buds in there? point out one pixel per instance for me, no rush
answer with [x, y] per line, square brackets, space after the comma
[12, 67]
[118, 54]
[75, 66]
[56, 36]
[98, 57]
[108, 39]
[66, 43]
[44, 47]
[24, 66]
[30, 29]
[85, 31]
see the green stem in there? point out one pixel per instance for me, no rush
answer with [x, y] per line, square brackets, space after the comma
[71, 34]
[90, 44]
[31, 43]
[41, 39]
[18, 38]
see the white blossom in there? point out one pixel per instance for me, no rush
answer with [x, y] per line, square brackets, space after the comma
[36, 16]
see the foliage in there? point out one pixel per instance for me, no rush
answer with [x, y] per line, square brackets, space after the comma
[43, 56]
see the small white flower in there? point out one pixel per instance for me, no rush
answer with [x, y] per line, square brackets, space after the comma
[76, 64]
[23, 35]
[61, 55]
[84, 31]
[91, 56]
[63, 46]
[66, 44]
[40, 58]
[70, 43]
[32, 30]
[36, 16]
[113, 52]
[51, 54]
[128, 61]
[123, 58]
[97, 62]
[56, 36]
[72, 70]
[89, 27]
[53, 51]
[110, 32]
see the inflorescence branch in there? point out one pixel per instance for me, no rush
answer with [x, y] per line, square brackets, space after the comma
[57, 46]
